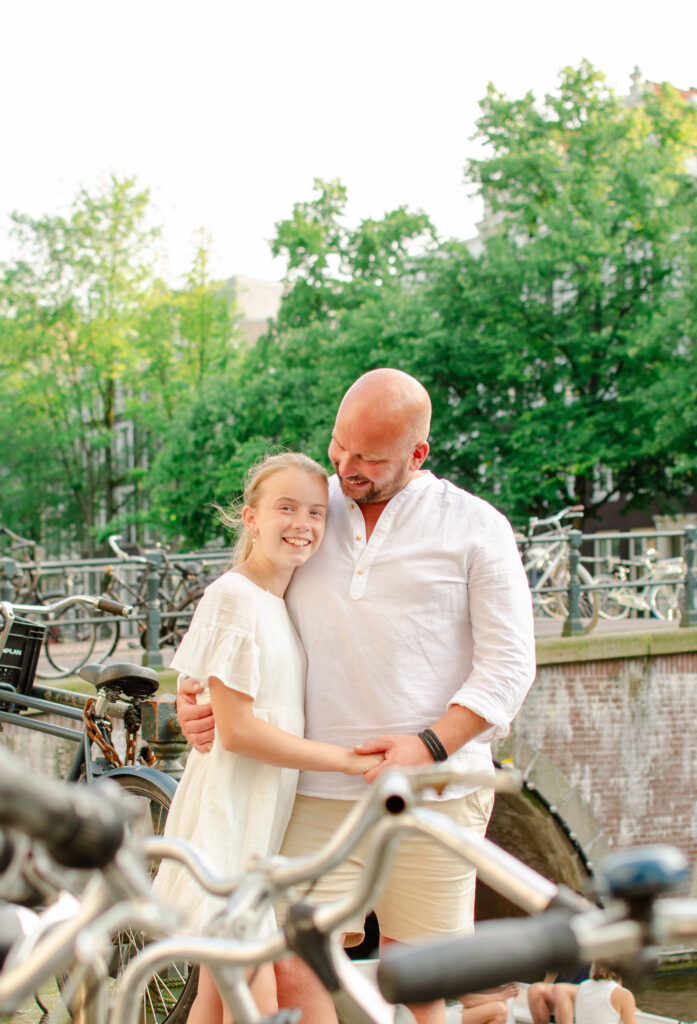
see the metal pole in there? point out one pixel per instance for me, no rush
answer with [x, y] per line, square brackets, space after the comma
[153, 655]
[8, 570]
[689, 611]
[573, 626]
[160, 730]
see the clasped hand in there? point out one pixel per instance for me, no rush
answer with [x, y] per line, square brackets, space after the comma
[198, 726]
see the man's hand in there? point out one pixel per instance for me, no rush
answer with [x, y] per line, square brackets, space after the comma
[195, 720]
[402, 751]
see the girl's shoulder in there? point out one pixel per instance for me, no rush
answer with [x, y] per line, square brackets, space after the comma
[230, 595]
[228, 581]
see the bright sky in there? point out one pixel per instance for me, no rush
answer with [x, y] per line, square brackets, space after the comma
[227, 110]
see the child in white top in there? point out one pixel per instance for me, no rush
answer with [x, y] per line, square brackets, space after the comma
[600, 1000]
[235, 802]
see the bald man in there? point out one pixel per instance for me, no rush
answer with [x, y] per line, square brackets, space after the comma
[416, 618]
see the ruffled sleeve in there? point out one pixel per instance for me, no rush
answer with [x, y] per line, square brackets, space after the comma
[220, 642]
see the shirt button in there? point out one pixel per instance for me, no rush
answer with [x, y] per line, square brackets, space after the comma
[352, 505]
[359, 536]
[360, 572]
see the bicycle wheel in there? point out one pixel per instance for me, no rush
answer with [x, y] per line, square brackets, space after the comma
[588, 599]
[547, 605]
[666, 601]
[169, 994]
[108, 635]
[69, 642]
[610, 604]
[180, 622]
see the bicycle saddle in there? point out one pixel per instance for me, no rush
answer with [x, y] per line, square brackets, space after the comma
[134, 681]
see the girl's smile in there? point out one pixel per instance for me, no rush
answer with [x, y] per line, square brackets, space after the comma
[287, 525]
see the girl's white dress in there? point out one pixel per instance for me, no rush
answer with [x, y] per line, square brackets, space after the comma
[233, 807]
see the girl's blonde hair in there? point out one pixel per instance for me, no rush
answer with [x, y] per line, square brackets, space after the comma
[255, 478]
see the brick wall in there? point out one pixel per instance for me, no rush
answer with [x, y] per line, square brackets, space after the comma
[618, 718]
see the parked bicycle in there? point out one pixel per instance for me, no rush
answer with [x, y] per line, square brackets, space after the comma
[74, 633]
[545, 552]
[96, 755]
[636, 917]
[180, 586]
[646, 584]
[76, 846]
[565, 928]
[238, 944]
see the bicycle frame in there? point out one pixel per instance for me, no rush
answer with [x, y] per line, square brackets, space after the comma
[390, 810]
[120, 895]
[173, 603]
[84, 765]
[639, 593]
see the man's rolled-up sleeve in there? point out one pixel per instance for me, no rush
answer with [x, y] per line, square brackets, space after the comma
[500, 607]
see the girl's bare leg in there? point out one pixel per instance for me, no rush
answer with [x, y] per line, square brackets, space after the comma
[263, 988]
[207, 1007]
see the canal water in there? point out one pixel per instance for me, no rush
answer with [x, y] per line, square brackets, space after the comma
[672, 992]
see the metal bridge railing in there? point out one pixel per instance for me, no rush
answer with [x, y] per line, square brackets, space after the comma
[147, 584]
[584, 576]
[580, 577]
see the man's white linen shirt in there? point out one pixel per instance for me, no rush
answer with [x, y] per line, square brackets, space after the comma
[433, 610]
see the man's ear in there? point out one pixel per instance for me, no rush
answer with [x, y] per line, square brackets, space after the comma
[418, 455]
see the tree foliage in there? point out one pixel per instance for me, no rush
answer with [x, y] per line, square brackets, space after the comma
[557, 347]
[97, 356]
[344, 310]
[561, 346]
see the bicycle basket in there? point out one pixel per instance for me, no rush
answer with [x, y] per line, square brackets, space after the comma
[18, 659]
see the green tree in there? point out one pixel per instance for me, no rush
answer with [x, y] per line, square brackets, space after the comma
[194, 345]
[557, 351]
[71, 305]
[99, 359]
[351, 303]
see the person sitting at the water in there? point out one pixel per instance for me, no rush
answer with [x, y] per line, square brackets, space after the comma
[600, 1000]
[487, 1007]
[543, 995]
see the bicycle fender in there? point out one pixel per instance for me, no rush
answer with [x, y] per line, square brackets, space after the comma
[143, 771]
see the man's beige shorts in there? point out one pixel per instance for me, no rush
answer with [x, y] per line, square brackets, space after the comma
[429, 891]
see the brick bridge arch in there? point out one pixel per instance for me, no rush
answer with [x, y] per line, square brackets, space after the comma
[605, 743]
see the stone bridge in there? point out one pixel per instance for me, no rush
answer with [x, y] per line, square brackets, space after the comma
[607, 744]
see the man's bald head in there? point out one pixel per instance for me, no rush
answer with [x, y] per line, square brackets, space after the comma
[394, 398]
[380, 435]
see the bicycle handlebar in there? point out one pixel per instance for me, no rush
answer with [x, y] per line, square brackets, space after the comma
[513, 949]
[19, 542]
[102, 604]
[390, 795]
[499, 952]
[570, 510]
[107, 604]
[561, 938]
[124, 556]
[80, 827]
